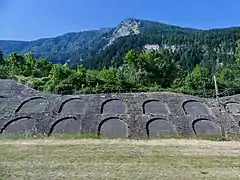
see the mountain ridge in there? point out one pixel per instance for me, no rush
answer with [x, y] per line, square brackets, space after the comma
[109, 28]
[75, 47]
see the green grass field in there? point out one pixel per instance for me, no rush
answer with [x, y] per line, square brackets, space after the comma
[118, 159]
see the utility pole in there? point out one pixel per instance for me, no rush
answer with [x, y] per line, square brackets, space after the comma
[216, 87]
[220, 105]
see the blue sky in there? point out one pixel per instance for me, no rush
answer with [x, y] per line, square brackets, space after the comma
[33, 19]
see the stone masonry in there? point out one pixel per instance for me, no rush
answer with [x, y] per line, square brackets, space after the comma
[134, 115]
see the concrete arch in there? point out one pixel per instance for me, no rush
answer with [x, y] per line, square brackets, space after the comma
[159, 108]
[60, 121]
[160, 125]
[29, 100]
[203, 126]
[72, 100]
[195, 108]
[120, 109]
[9, 123]
[232, 107]
[116, 128]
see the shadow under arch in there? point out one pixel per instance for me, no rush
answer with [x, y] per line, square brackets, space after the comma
[14, 120]
[58, 121]
[152, 120]
[148, 101]
[201, 119]
[230, 102]
[109, 100]
[65, 102]
[197, 120]
[28, 100]
[105, 120]
[188, 101]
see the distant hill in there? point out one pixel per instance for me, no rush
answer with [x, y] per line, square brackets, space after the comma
[106, 46]
[61, 48]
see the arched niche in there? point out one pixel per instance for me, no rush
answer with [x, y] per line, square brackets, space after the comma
[68, 125]
[113, 128]
[239, 127]
[19, 125]
[194, 108]
[32, 105]
[233, 107]
[154, 106]
[206, 127]
[159, 127]
[113, 106]
[3, 102]
[73, 105]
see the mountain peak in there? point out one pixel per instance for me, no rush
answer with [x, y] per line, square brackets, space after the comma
[129, 20]
[143, 34]
[129, 26]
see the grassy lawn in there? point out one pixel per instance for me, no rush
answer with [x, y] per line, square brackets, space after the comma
[119, 159]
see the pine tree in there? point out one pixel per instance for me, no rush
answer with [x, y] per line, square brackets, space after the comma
[1, 55]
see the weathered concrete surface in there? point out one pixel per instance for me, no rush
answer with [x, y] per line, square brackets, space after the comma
[160, 127]
[136, 115]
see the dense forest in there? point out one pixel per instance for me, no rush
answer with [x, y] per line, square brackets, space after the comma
[138, 71]
[107, 47]
[117, 60]
[60, 49]
[205, 47]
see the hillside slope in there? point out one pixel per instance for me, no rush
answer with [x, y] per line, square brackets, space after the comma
[106, 47]
[61, 48]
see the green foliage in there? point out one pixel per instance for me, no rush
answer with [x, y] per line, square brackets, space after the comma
[1, 56]
[141, 71]
[199, 78]
[72, 46]
[189, 46]
[154, 67]
[3, 73]
[42, 68]
[227, 76]
[237, 52]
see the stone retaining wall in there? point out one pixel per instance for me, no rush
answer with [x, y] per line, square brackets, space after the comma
[137, 115]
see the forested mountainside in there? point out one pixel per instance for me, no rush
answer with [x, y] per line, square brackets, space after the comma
[136, 56]
[141, 71]
[106, 47]
[189, 46]
[63, 48]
